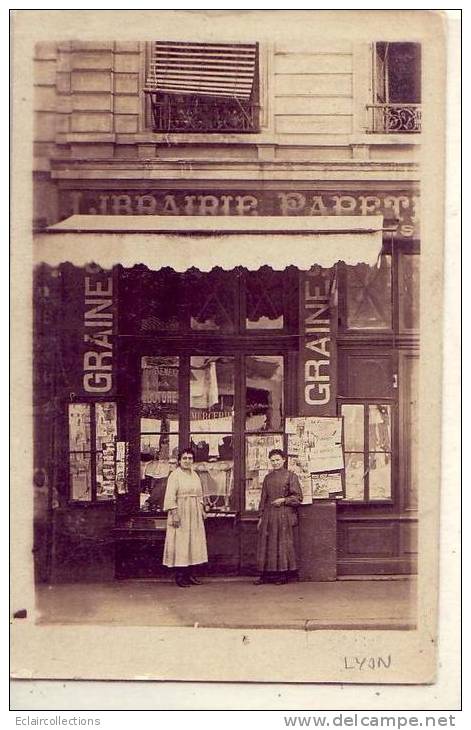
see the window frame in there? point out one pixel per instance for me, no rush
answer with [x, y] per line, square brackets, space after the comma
[239, 348]
[237, 276]
[397, 250]
[93, 451]
[260, 104]
[343, 328]
[366, 402]
[413, 109]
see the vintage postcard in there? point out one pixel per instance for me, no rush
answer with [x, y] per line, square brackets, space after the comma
[230, 226]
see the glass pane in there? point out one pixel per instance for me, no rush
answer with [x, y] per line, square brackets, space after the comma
[353, 427]
[106, 473]
[152, 300]
[79, 427]
[105, 415]
[80, 477]
[404, 66]
[380, 476]
[264, 299]
[257, 465]
[409, 292]
[211, 299]
[159, 394]
[212, 446]
[354, 477]
[379, 428]
[214, 463]
[264, 393]
[159, 455]
[369, 295]
[265, 323]
[212, 394]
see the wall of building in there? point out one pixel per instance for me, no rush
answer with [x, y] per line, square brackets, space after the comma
[92, 133]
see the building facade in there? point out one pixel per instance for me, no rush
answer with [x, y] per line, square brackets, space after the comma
[139, 357]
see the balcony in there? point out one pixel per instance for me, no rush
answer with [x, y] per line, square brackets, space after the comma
[395, 118]
[198, 113]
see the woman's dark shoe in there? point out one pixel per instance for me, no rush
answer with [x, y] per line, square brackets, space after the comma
[182, 582]
[260, 581]
[281, 581]
[195, 581]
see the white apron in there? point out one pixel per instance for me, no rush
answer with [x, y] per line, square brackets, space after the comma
[186, 544]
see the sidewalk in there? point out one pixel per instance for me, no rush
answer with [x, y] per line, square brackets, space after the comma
[234, 603]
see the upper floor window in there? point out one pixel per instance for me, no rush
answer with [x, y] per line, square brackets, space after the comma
[396, 106]
[204, 87]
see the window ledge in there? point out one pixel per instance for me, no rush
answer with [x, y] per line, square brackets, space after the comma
[379, 138]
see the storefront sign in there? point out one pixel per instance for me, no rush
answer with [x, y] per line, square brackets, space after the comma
[98, 324]
[316, 374]
[89, 325]
[399, 205]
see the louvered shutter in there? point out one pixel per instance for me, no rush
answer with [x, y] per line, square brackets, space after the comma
[209, 69]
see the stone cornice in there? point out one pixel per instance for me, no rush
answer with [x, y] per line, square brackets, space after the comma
[254, 170]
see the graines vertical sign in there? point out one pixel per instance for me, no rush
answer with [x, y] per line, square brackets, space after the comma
[89, 311]
[317, 356]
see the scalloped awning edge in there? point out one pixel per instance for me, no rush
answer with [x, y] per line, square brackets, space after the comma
[204, 244]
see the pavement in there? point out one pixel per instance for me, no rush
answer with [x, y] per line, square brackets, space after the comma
[233, 603]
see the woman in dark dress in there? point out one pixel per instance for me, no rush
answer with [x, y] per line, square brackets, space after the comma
[281, 495]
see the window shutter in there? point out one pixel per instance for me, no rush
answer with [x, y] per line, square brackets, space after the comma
[381, 73]
[208, 69]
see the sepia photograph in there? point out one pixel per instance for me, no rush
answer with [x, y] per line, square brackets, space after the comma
[235, 360]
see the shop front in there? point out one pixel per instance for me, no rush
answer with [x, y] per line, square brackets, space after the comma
[234, 335]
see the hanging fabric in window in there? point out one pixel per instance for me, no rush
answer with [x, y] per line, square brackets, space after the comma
[203, 87]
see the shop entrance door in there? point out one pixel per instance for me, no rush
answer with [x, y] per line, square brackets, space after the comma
[229, 409]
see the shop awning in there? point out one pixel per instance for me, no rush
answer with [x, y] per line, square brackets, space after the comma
[184, 242]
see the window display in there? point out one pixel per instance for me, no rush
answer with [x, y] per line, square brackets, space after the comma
[257, 465]
[92, 435]
[264, 393]
[368, 451]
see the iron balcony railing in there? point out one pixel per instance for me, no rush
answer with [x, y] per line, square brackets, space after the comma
[392, 118]
[197, 113]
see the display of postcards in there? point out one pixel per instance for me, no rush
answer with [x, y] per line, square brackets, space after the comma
[294, 445]
[106, 416]
[257, 448]
[317, 441]
[326, 485]
[304, 479]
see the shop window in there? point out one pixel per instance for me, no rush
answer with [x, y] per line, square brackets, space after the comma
[216, 302]
[263, 414]
[203, 87]
[153, 301]
[368, 296]
[212, 392]
[264, 393]
[159, 419]
[396, 106]
[257, 465]
[264, 299]
[368, 451]
[92, 436]
[409, 292]
[211, 299]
